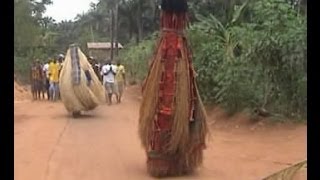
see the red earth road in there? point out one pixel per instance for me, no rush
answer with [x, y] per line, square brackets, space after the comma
[104, 144]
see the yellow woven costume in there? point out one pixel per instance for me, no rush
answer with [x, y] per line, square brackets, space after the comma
[80, 88]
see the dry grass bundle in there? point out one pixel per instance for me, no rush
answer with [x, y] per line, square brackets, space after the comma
[287, 173]
[180, 127]
[150, 99]
[96, 87]
[80, 97]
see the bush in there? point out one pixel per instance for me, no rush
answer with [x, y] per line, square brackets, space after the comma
[257, 62]
[136, 59]
[22, 69]
[23, 61]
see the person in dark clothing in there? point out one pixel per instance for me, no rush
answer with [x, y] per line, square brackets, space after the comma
[36, 77]
[95, 66]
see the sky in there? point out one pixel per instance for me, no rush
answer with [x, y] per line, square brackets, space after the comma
[67, 9]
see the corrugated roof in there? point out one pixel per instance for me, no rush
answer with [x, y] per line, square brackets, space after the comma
[102, 45]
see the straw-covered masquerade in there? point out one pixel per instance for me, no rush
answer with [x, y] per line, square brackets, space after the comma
[80, 88]
[172, 122]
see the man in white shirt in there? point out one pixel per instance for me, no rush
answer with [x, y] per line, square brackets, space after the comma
[108, 72]
[46, 75]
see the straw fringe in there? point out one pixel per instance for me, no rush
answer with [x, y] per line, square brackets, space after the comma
[96, 87]
[150, 100]
[180, 126]
[80, 97]
[188, 138]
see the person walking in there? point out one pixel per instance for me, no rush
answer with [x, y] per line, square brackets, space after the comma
[108, 72]
[120, 80]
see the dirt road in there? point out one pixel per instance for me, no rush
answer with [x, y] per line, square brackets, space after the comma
[103, 145]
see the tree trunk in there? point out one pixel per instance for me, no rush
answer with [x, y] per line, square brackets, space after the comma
[299, 7]
[116, 29]
[92, 36]
[139, 22]
[154, 14]
[130, 33]
[137, 38]
[112, 34]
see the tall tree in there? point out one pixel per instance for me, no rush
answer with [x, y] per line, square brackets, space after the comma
[116, 27]
[24, 22]
[112, 33]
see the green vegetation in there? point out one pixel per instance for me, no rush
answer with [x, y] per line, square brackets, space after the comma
[256, 58]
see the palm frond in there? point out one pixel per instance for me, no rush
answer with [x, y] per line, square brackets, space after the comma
[238, 12]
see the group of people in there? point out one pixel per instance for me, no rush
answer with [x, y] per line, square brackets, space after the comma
[45, 79]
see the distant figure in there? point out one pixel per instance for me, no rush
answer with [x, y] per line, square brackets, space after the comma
[54, 80]
[36, 80]
[108, 72]
[42, 87]
[60, 63]
[100, 68]
[120, 80]
[95, 66]
[46, 78]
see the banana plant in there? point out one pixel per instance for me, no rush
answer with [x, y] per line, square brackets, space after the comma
[223, 33]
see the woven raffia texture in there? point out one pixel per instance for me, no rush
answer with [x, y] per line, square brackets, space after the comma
[76, 94]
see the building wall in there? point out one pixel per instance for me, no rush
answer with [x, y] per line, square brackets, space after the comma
[101, 54]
